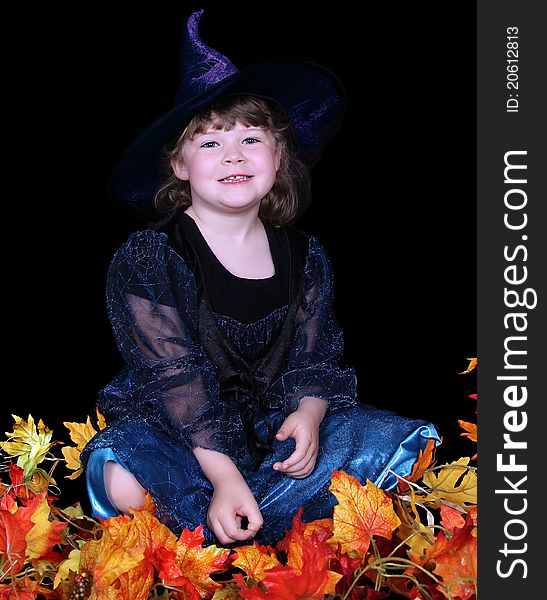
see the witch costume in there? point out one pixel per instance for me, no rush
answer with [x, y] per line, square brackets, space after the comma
[216, 361]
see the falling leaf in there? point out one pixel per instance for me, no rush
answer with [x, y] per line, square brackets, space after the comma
[361, 512]
[424, 460]
[470, 430]
[254, 560]
[472, 364]
[455, 483]
[30, 443]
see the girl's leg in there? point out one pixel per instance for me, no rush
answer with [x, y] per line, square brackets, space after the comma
[364, 442]
[122, 489]
[147, 460]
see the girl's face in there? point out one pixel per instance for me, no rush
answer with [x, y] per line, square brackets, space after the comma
[229, 170]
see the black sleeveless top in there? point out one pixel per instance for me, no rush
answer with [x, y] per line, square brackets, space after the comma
[243, 378]
[245, 300]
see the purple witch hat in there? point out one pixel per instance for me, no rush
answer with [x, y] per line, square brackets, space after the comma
[312, 96]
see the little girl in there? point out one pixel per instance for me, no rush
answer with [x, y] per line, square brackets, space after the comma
[233, 409]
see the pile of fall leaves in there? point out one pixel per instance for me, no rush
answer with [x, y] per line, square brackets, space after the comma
[418, 541]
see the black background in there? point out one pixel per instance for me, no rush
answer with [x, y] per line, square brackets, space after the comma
[394, 195]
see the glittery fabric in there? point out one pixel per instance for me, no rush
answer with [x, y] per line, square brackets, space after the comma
[166, 400]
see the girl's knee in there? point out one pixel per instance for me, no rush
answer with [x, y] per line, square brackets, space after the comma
[122, 489]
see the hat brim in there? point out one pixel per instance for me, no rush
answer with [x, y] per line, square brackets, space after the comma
[312, 96]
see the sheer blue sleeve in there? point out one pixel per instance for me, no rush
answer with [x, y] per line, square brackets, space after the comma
[152, 305]
[314, 359]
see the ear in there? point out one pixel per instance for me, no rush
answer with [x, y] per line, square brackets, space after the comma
[180, 171]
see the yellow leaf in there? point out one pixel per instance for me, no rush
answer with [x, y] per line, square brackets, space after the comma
[255, 560]
[80, 433]
[100, 419]
[29, 443]
[455, 483]
[72, 457]
[412, 531]
[361, 512]
[197, 562]
[45, 533]
[72, 563]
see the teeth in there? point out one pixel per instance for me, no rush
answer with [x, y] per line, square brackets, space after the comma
[237, 178]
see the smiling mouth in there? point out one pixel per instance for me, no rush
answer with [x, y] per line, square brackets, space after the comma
[235, 179]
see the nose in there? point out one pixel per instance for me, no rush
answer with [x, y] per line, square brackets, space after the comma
[233, 154]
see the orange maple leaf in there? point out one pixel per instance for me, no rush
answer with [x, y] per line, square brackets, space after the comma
[25, 588]
[45, 533]
[361, 512]
[15, 523]
[315, 532]
[424, 460]
[311, 582]
[255, 560]
[451, 518]
[324, 527]
[127, 553]
[470, 430]
[198, 562]
[456, 560]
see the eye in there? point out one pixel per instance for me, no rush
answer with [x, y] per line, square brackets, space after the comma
[208, 144]
[250, 140]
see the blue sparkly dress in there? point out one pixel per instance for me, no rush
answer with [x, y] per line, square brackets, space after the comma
[197, 377]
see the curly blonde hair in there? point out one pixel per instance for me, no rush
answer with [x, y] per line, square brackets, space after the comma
[290, 194]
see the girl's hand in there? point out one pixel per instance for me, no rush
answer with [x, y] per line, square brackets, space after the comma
[303, 426]
[233, 500]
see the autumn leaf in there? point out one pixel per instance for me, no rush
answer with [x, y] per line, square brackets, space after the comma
[311, 582]
[323, 527]
[254, 560]
[113, 560]
[127, 553]
[45, 533]
[455, 483]
[134, 584]
[15, 523]
[451, 518]
[472, 364]
[71, 564]
[456, 561]
[25, 588]
[412, 531]
[361, 512]
[30, 443]
[80, 434]
[198, 562]
[470, 430]
[424, 460]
